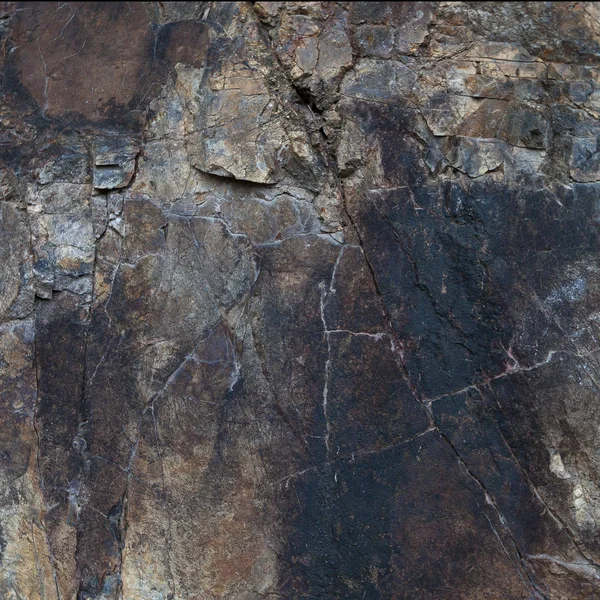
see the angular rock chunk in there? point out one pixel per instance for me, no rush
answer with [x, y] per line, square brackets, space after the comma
[114, 162]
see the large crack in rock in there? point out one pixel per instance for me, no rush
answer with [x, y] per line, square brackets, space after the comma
[299, 299]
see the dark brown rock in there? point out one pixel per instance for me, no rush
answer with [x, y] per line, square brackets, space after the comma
[299, 299]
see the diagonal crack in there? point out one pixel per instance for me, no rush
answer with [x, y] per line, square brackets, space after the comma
[538, 594]
[561, 524]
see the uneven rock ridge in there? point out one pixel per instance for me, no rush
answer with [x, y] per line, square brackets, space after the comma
[300, 300]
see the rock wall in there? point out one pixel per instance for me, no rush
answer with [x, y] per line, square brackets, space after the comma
[300, 300]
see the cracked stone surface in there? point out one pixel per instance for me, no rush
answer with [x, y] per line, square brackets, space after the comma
[300, 300]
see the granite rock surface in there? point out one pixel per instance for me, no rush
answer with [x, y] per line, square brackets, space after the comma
[300, 300]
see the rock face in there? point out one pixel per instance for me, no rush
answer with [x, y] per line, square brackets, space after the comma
[300, 300]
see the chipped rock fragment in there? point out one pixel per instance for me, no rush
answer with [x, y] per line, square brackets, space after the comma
[114, 162]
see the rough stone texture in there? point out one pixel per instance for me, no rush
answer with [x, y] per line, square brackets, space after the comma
[300, 300]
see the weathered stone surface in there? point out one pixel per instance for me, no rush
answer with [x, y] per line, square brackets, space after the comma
[299, 300]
